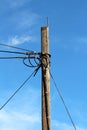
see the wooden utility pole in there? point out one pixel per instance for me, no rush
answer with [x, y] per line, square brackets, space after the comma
[45, 78]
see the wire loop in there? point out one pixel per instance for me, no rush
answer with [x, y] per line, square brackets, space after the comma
[45, 59]
[33, 60]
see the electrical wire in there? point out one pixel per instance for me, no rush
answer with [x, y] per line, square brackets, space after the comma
[14, 52]
[34, 73]
[63, 101]
[6, 45]
[30, 55]
[17, 90]
[34, 60]
[15, 57]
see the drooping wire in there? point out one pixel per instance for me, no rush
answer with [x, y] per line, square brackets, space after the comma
[33, 57]
[6, 45]
[29, 55]
[17, 90]
[63, 101]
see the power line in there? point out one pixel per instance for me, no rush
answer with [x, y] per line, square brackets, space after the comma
[32, 55]
[15, 57]
[17, 90]
[35, 56]
[6, 45]
[14, 52]
[63, 101]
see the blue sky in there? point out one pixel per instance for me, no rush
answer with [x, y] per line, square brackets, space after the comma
[20, 23]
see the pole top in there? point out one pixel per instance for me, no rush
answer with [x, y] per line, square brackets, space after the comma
[44, 27]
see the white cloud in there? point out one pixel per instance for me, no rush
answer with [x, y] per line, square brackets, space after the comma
[22, 17]
[17, 3]
[19, 40]
[11, 120]
[18, 17]
[27, 19]
[64, 126]
[21, 114]
[17, 120]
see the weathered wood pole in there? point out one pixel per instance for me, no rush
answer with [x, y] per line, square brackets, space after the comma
[45, 78]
